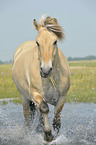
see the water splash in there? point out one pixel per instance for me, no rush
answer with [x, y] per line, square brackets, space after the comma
[78, 126]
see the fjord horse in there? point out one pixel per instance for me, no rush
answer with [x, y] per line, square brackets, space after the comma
[41, 74]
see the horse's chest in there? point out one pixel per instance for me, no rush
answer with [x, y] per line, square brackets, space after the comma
[51, 95]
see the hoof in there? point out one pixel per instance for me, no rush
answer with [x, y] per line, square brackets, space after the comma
[48, 136]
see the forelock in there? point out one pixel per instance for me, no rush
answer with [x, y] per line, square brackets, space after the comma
[51, 24]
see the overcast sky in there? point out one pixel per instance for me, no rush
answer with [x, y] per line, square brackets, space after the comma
[78, 18]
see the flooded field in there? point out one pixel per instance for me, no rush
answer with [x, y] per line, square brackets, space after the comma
[78, 125]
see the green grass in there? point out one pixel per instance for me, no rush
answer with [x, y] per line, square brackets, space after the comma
[7, 86]
[83, 85]
[83, 82]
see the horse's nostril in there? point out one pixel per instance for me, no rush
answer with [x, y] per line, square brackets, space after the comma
[45, 71]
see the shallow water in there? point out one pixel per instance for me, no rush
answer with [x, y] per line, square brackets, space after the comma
[78, 126]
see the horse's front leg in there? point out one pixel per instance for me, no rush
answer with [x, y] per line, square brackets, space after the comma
[44, 109]
[57, 114]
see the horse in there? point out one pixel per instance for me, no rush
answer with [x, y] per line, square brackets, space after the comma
[41, 74]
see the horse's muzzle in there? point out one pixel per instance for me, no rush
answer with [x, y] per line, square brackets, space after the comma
[45, 72]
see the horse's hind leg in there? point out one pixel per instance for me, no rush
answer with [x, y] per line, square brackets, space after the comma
[57, 114]
[33, 109]
[28, 109]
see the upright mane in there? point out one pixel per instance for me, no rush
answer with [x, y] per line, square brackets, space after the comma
[52, 25]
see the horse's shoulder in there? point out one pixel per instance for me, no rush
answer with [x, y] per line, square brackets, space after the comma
[26, 46]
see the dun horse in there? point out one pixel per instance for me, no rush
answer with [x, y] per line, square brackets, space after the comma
[41, 74]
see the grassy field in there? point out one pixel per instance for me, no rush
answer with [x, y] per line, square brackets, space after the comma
[91, 63]
[7, 86]
[83, 82]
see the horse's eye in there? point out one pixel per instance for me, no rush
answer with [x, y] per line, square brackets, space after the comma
[55, 42]
[37, 44]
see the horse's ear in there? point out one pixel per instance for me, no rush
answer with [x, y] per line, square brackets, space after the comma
[55, 20]
[36, 24]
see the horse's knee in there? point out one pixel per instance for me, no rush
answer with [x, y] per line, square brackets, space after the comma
[44, 107]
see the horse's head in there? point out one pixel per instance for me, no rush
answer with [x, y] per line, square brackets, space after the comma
[47, 44]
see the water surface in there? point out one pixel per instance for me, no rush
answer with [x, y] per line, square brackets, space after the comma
[78, 126]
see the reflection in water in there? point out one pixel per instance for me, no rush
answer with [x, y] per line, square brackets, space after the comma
[78, 126]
